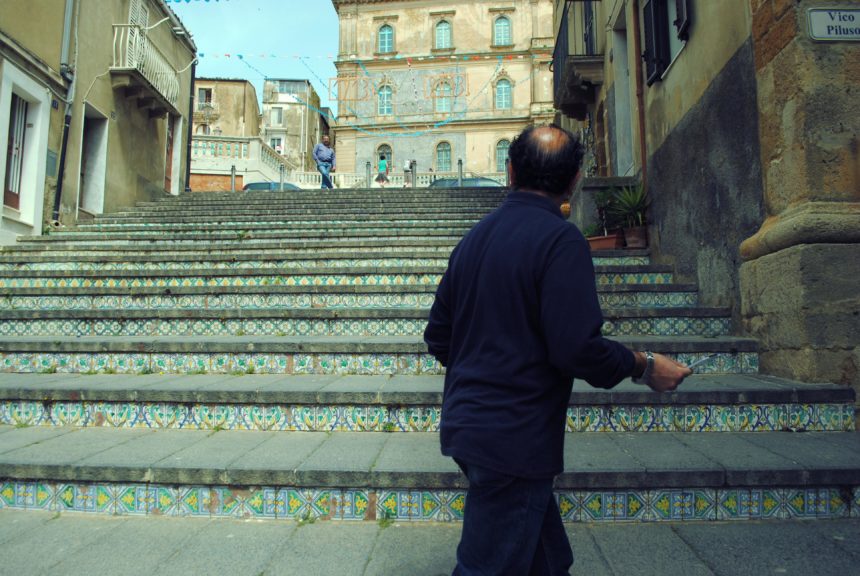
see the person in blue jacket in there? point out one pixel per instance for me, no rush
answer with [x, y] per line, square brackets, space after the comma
[515, 320]
[326, 162]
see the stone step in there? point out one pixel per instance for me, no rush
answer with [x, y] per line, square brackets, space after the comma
[246, 234]
[262, 246]
[306, 354]
[319, 227]
[195, 275]
[704, 403]
[373, 475]
[253, 297]
[231, 220]
[249, 258]
[398, 321]
[357, 212]
[318, 195]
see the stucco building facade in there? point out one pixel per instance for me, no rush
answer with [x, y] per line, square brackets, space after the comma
[225, 107]
[745, 129]
[117, 76]
[440, 81]
[293, 120]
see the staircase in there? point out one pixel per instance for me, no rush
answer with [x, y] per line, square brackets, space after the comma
[260, 355]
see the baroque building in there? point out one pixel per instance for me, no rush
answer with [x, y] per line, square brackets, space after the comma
[741, 119]
[439, 81]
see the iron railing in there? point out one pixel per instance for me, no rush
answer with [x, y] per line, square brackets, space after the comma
[134, 51]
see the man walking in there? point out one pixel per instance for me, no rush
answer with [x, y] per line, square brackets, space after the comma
[325, 159]
[515, 320]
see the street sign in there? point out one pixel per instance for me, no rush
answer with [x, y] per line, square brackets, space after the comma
[834, 24]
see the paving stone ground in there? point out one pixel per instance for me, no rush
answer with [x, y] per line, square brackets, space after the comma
[37, 543]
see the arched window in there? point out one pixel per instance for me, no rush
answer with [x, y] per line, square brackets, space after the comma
[385, 39]
[203, 129]
[502, 155]
[389, 156]
[443, 157]
[384, 97]
[443, 97]
[443, 35]
[503, 94]
[502, 31]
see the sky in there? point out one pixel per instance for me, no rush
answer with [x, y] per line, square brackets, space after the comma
[295, 39]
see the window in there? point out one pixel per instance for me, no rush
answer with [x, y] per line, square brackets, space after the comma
[502, 155]
[204, 98]
[385, 39]
[275, 143]
[502, 31]
[443, 97]
[203, 129]
[384, 107]
[503, 94]
[443, 35]
[443, 157]
[277, 116]
[662, 42]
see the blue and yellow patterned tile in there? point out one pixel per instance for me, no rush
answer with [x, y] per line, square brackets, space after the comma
[297, 504]
[7, 494]
[275, 417]
[274, 502]
[801, 417]
[849, 417]
[730, 502]
[680, 504]
[227, 502]
[829, 417]
[214, 416]
[352, 504]
[773, 502]
[569, 506]
[27, 413]
[612, 506]
[191, 501]
[302, 418]
[855, 502]
[166, 415]
[632, 418]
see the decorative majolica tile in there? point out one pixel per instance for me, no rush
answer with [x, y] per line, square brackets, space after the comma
[612, 506]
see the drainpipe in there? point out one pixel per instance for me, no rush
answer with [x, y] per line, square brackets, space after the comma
[190, 129]
[68, 73]
[640, 96]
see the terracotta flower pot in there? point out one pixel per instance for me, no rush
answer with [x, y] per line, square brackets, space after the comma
[636, 237]
[613, 241]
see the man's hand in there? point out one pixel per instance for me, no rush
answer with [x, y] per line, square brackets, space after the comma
[667, 374]
[333, 170]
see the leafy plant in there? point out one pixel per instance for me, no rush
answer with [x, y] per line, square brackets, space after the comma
[604, 201]
[629, 205]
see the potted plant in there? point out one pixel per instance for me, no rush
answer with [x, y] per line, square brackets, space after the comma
[629, 205]
[606, 224]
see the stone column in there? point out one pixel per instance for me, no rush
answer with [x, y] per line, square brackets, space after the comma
[800, 281]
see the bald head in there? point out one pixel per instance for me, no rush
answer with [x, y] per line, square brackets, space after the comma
[545, 159]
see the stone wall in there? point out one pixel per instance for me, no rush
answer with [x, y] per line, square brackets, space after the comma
[706, 183]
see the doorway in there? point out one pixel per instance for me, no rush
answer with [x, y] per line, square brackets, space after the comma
[93, 161]
[623, 153]
[15, 147]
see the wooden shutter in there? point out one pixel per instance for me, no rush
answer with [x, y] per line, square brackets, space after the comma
[682, 22]
[656, 54]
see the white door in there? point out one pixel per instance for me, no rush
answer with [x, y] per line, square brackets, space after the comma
[93, 162]
[15, 152]
[623, 153]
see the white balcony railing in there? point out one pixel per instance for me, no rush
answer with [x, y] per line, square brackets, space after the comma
[134, 51]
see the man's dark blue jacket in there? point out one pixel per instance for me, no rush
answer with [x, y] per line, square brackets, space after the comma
[515, 320]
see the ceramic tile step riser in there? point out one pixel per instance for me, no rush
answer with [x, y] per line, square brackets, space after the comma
[248, 278]
[404, 404]
[50, 359]
[181, 261]
[259, 220]
[229, 241]
[310, 299]
[607, 477]
[394, 323]
[144, 264]
[319, 201]
[214, 416]
[303, 504]
[358, 213]
[255, 225]
[102, 239]
[401, 195]
[304, 211]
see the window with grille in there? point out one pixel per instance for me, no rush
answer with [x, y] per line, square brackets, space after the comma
[443, 157]
[443, 97]
[384, 106]
[502, 155]
[443, 35]
[502, 31]
[503, 94]
[385, 39]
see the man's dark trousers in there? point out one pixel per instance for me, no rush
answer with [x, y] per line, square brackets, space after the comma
[511, 527]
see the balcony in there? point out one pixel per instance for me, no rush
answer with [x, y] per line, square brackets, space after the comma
[577, 67]
[206, 112]
[143, 70]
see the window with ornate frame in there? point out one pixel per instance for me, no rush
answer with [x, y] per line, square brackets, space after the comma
[384, 101]
[503, 94]
[443, 96]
